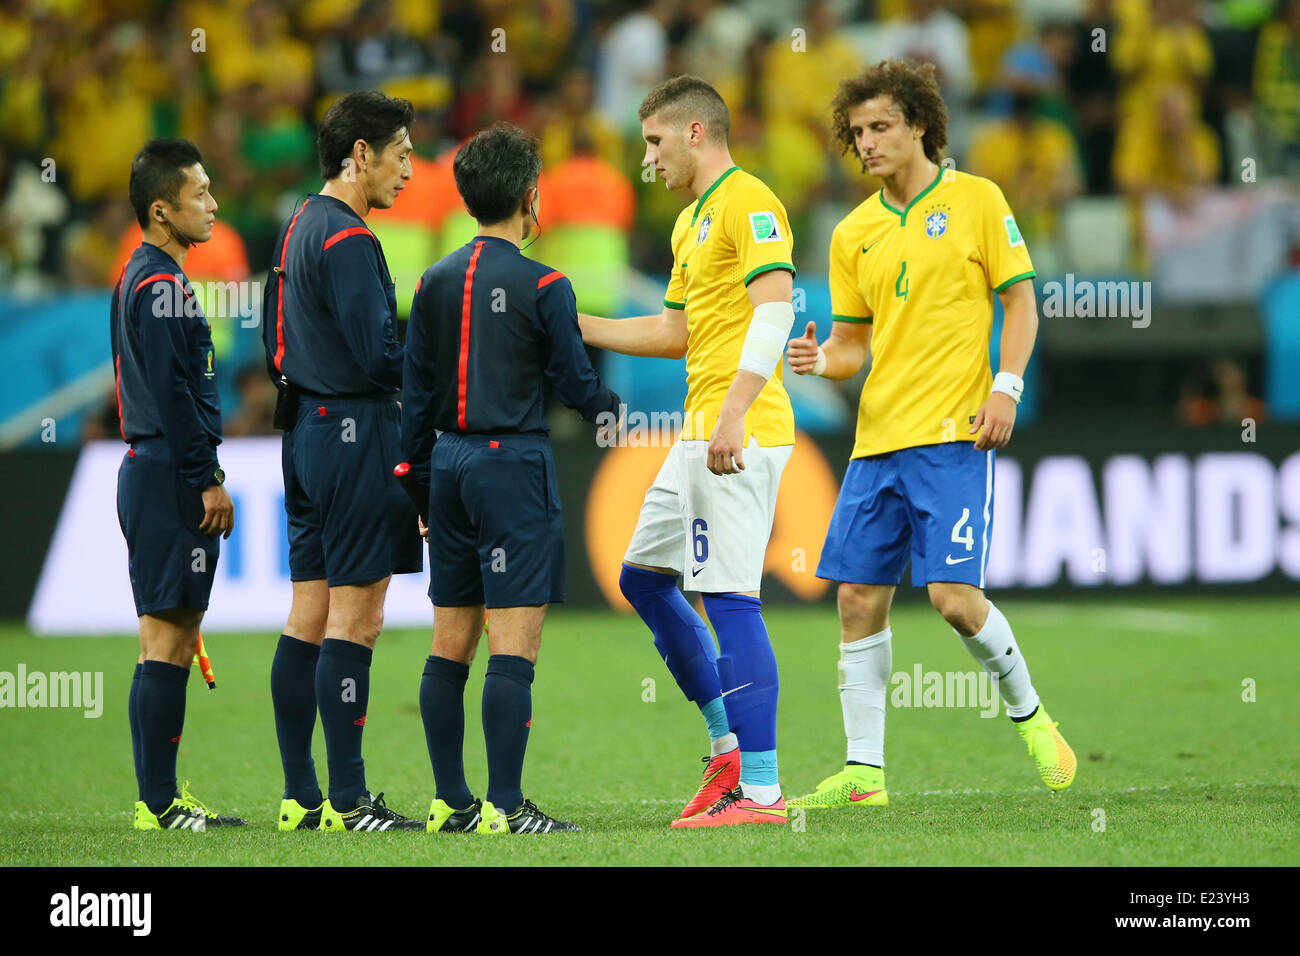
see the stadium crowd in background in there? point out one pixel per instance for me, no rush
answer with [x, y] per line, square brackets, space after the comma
[1053, 99]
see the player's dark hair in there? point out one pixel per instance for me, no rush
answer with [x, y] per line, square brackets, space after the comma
[158, 172]
[914, 89]
[368, 115]
[494, 170]
[684, 99]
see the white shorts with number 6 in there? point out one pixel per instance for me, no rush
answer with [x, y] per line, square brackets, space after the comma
[711, 529]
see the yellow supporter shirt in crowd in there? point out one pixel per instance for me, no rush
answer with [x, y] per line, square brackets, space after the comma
[737, 230]
[924, 277]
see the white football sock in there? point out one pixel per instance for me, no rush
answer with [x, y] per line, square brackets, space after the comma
[864, 676]
[723, 744]
[996, 649]
[764, 794]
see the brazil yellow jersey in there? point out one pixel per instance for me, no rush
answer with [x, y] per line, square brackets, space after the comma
[737, 230]
[925, 277]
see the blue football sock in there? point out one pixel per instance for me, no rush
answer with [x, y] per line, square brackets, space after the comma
[161, 706]
[715, 713]
[133, 714]
[442, 707]
[342, 695]
[293, 697]
[681, 637]
[507, 715]
[747, 671]
[758, 767]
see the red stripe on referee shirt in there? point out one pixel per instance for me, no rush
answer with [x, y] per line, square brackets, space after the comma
[344, 233]
[117, 387]
[279, 304]
[547, 279]
[154, 278]
[117, 364]
[463, 389]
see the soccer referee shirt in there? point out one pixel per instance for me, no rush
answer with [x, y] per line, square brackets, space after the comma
[737, 230]
[924, 277]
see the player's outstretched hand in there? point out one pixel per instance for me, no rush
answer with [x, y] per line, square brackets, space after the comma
[802, 352]
[726, 446]
[218, 511]
[424, 530]
[997, 417]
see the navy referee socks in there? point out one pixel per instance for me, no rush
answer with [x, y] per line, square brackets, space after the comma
[160, 710]
[442, 707]
[507, 716]
[342, 695]
[293, 696]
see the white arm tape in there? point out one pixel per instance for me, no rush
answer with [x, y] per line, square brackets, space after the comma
[766, 338]
[1009, 383]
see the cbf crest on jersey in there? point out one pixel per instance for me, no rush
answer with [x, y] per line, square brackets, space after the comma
[936, 221]
[704, 229]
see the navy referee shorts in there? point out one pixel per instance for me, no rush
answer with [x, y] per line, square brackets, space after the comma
[350, 522]
[172, 563]
[495, 531]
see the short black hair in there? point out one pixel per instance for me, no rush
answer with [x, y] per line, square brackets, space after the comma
[368, 115]
[494, 169]
[158, 172]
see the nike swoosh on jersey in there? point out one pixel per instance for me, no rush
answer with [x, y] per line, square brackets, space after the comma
[866, 249]
[951, 560]
[696, 571]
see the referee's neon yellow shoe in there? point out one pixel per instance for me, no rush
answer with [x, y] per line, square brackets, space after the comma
[1055, 759]
[177, 816]
[444, 818]
[294, 816]
[854, 786]
[492, 820]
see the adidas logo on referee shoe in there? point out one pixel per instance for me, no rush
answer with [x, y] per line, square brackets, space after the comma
[371, 815]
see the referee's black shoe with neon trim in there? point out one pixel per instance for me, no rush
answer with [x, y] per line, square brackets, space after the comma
[214, 819]
[527, 819]
[177, 816]
[370, 815]
[185, 812]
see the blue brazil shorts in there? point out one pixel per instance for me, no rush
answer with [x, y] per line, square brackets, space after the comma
[495, 531]
[172, 563]
[935, 501]
[350, 522]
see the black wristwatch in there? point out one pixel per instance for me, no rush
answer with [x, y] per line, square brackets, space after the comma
[218, 477]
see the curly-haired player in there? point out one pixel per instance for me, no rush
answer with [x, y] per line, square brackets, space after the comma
[913, 271]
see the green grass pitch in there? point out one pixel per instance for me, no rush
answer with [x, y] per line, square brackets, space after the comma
[1149, 693]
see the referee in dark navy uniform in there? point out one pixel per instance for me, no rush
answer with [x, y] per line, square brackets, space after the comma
[332, 350]
[489, 331]
[171, 502]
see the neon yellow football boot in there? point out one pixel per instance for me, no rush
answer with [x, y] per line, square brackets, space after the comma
[294, 816]
[853, 786]
[176, 817]
[214, 819]
[492, 820]
[1055, 759]
[444, 818]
